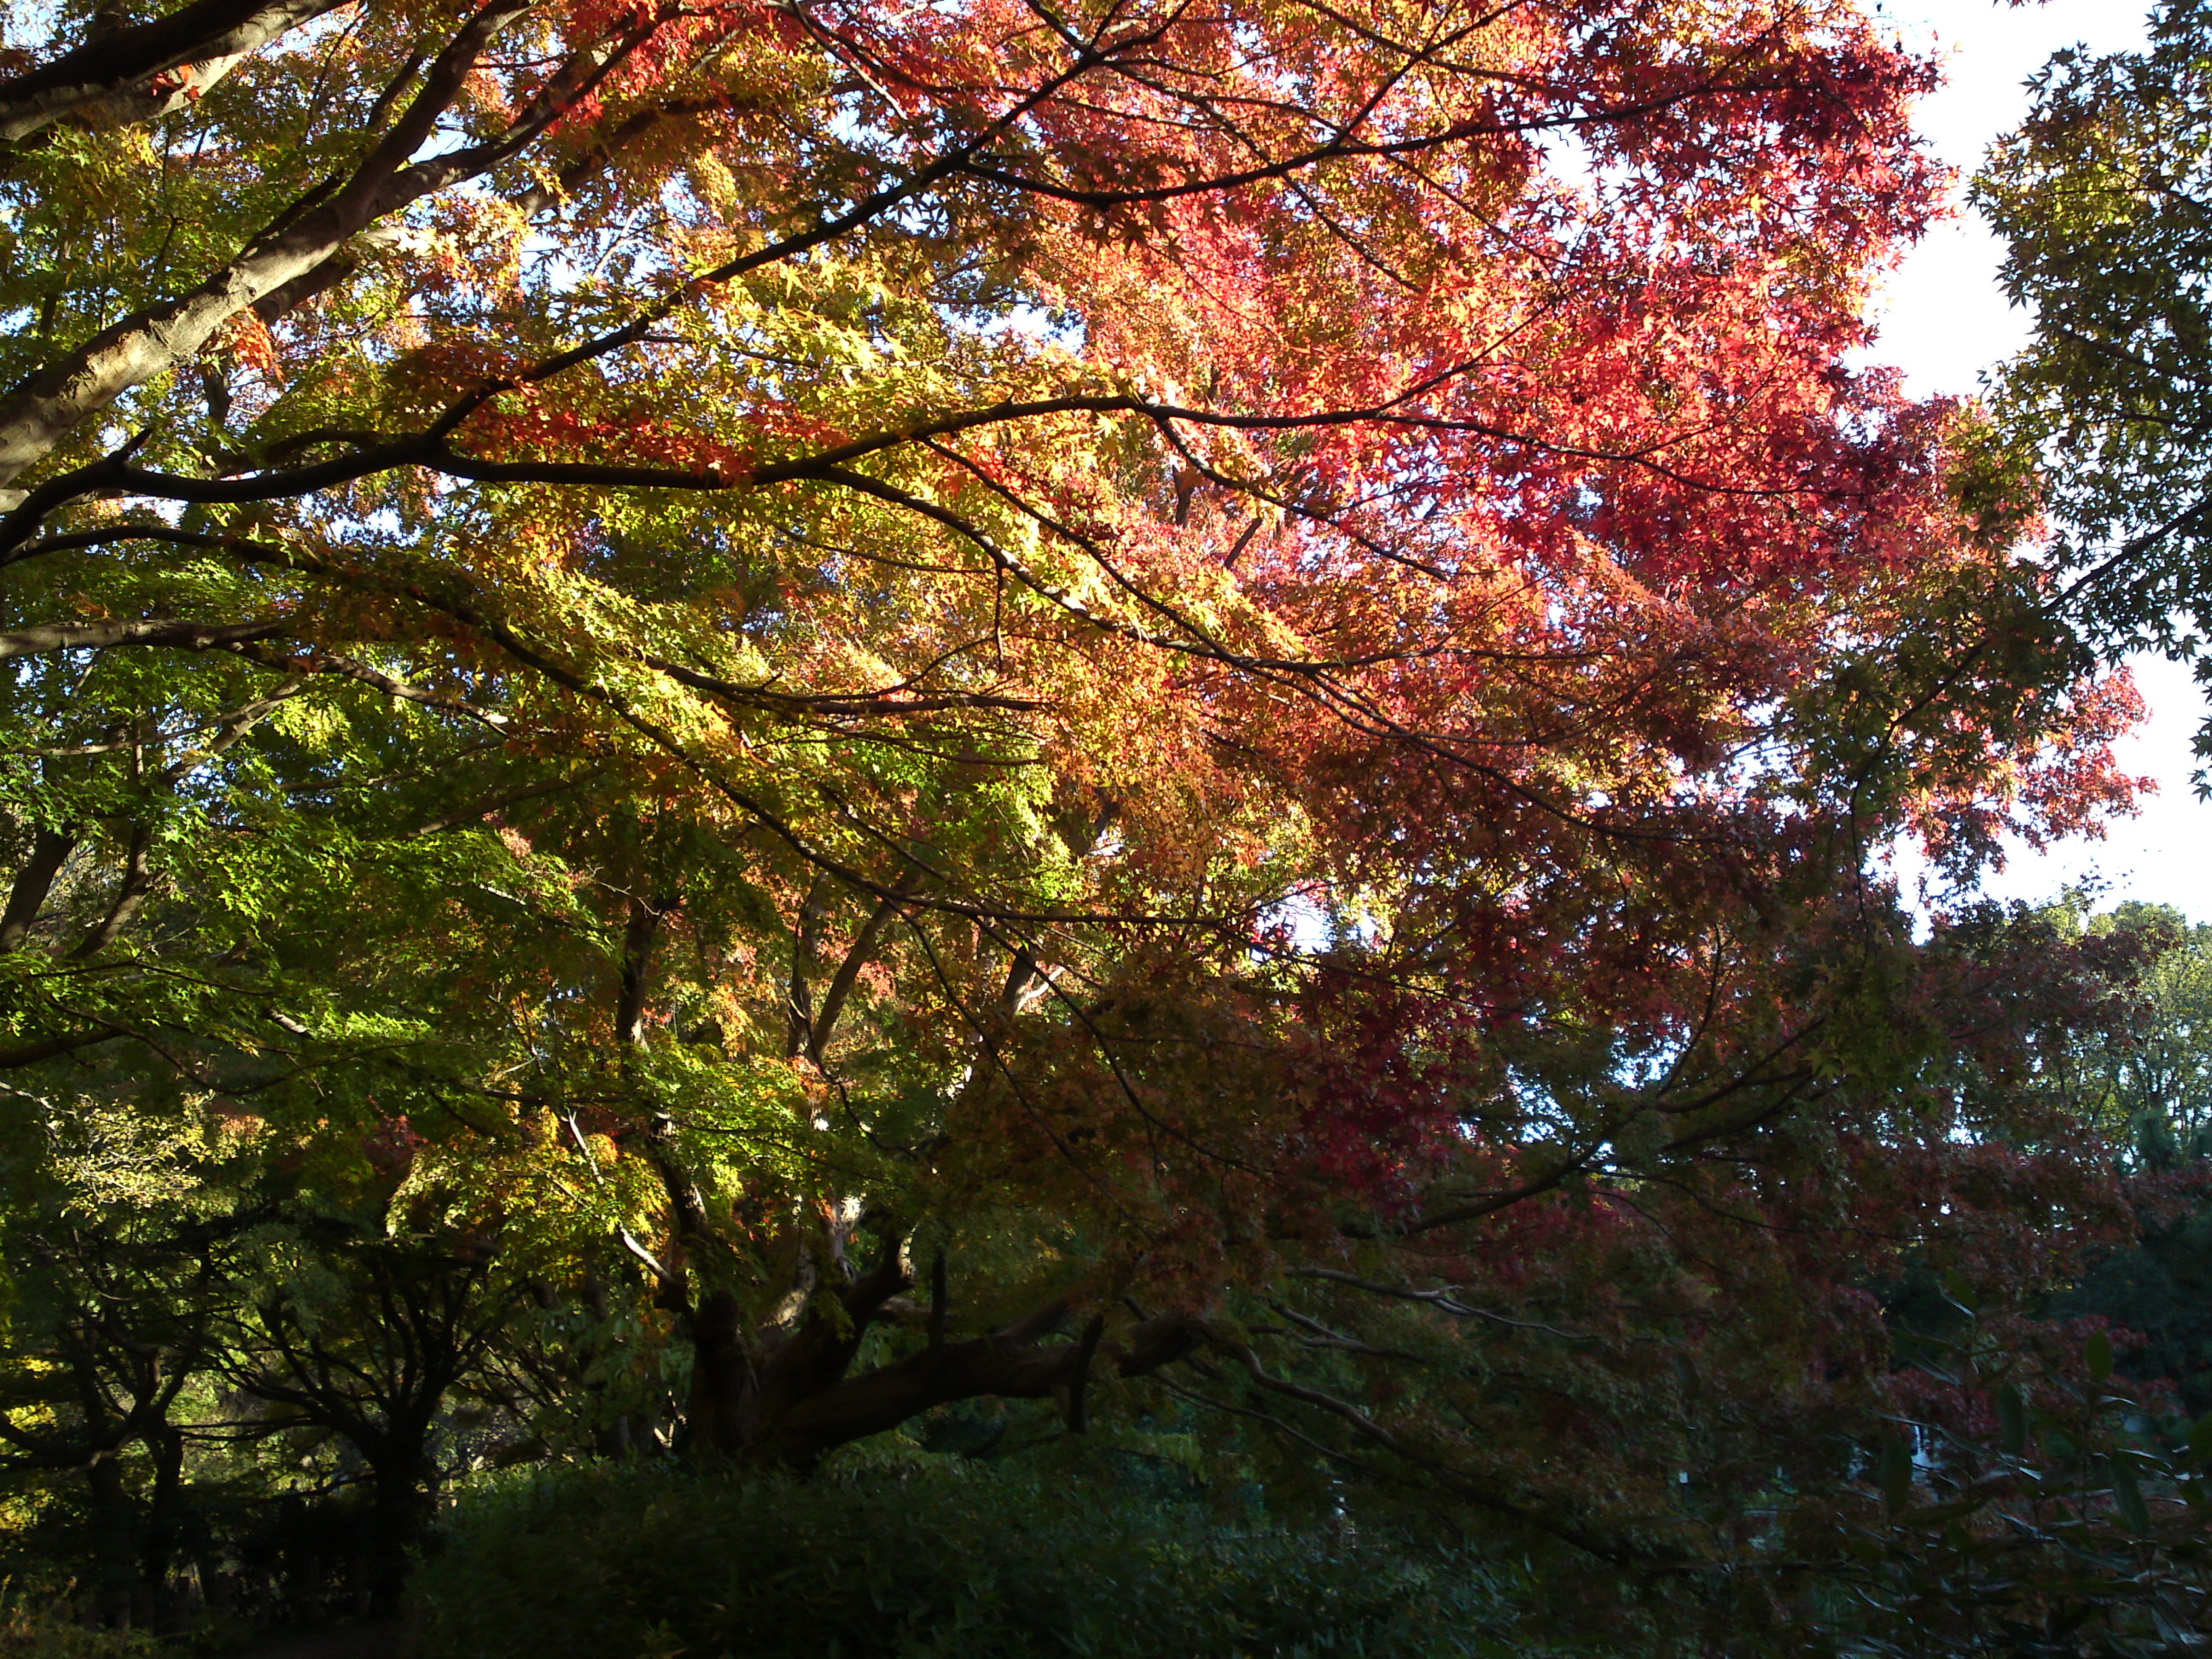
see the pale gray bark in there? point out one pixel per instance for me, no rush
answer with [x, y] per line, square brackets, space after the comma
[159, 337]
[165, 95]
[203, 40]
[157, 630]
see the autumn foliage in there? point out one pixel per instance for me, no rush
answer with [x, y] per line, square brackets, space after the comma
[779, 716]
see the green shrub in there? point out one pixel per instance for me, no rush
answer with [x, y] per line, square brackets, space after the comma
[628, 1562]
[48, 1632]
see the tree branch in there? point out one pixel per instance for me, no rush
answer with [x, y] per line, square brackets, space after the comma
[159, 630]
[123, 60]
[50, 848]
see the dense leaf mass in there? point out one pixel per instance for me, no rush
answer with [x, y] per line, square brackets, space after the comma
[2101, 195]
[729, 724]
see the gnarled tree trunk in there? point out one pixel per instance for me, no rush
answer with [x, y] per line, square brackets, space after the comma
[782, 1399]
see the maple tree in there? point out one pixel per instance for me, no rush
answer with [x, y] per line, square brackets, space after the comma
[789, 714]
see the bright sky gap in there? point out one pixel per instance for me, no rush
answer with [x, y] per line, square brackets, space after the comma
[1944, 320]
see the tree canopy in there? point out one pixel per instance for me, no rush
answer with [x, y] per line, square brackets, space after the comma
[2101, 195]
[732, 727]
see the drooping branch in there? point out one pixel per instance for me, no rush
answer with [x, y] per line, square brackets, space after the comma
[593, 688]
[434, 447]
[1016, 1363]
[1445, 1297]
[479, 811]
[30, 1054]
[319, 662]
[900, 703]
[1463, 1485]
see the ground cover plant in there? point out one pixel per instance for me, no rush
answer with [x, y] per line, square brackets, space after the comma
[943, 1558]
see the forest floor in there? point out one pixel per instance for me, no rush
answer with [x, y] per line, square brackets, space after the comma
[377, 1641]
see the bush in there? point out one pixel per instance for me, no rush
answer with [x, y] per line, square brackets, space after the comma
[628, 1561]
[48, 1632]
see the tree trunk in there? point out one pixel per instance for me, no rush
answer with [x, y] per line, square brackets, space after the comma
[115, 1539]
[783, 1400]
[164, 1534]
[404, 1504]
[26, 896]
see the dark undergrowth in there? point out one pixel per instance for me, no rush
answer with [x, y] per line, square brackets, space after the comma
[627, 1561]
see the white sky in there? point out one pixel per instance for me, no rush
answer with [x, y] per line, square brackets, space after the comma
[1943, 320]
